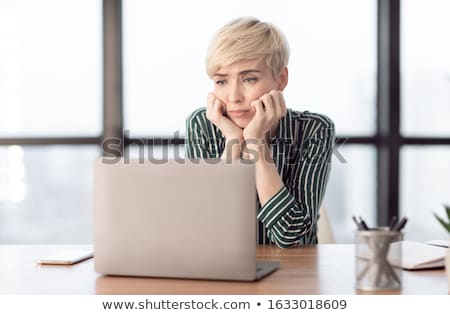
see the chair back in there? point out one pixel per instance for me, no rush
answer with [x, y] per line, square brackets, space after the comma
[324, 230]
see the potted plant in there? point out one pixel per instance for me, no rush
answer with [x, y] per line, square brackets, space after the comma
[446, 225]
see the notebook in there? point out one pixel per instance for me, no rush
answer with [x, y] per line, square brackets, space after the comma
[416, 256]
[179, 219]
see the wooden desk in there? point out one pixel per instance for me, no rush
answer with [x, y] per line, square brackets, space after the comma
[322, 269]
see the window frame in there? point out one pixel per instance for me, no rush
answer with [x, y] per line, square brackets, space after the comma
[387, 140]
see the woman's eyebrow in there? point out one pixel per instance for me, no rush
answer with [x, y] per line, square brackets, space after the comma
[243, 72]
[248, 71]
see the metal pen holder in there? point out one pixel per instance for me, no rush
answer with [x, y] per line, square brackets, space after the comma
[373, 270]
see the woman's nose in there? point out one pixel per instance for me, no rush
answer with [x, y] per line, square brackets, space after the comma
[235, 94]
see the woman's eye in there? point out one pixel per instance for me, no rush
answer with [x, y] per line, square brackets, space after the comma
[220, 82]
[250, 80]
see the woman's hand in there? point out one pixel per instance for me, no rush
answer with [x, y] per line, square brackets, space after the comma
[215, 112]
[269, 108]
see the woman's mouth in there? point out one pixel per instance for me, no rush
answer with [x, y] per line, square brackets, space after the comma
[237, 113]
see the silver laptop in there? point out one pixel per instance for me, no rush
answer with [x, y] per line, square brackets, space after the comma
[180, 219]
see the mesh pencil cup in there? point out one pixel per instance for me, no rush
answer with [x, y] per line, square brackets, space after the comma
[373, 256]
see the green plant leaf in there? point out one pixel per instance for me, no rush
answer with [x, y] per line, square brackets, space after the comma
[447, 208]
[442, 222]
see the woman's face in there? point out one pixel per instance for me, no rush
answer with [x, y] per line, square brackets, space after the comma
[243, 82]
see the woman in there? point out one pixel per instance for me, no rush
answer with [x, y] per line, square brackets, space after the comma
[246, 118]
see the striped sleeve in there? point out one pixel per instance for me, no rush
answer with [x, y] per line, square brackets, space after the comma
[290, 214]
[196, 140]
[203, 139]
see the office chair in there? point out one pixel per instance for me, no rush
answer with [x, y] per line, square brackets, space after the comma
[324, 230]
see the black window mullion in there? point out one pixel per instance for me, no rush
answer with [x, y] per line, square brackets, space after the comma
[50, 141]
[388, 110]
[112, 73]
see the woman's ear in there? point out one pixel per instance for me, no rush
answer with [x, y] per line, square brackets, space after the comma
[283, 78]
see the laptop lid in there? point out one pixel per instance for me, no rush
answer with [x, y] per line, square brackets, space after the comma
[181, 219]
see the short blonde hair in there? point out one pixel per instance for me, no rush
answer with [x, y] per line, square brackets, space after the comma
[247, 38]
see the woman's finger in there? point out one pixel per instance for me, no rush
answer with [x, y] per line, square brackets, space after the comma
[277, 96]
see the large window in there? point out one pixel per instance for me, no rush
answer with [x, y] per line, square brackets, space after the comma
[344, 59]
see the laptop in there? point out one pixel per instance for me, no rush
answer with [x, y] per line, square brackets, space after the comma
[179, 219]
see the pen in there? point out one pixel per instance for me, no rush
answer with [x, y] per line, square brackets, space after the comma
[401, 224]
[364, 224]
[392, 223]
[358, 225]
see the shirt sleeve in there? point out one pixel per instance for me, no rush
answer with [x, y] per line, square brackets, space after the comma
[196, 140]
[291, 213]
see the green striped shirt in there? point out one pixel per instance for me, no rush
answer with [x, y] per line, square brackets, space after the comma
[301, 150]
